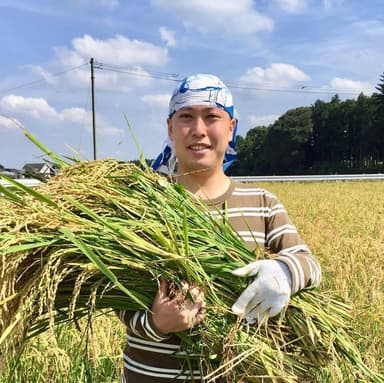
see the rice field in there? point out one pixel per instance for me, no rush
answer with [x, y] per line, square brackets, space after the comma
[342, 222]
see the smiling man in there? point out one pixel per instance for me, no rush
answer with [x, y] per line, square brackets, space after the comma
[201, 145]
[200, 136]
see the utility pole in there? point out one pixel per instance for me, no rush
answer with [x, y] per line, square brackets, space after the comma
[93, 109]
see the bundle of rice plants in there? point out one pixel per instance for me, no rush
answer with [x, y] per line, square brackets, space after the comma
[100, 235]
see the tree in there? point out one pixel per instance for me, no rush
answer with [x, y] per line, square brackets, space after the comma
[287, 144]
[379, 97]
[362, 130]
[330, 135]
[250, 153]
[326, 137]
[378, 120]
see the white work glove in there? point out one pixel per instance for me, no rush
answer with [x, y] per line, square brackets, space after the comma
[268, 294]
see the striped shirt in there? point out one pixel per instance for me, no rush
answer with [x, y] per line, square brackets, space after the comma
[261, 221]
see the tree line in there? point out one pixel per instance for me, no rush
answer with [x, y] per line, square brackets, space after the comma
[327, 137]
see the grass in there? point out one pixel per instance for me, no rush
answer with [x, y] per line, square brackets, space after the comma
[342, 222]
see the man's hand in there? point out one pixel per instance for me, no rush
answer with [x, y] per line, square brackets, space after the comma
[268, 294]
[180, 311]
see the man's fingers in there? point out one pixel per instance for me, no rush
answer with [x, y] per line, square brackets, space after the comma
[249, 297]
[162, 292]
[279, 305]
[163, 288]
[248, 270]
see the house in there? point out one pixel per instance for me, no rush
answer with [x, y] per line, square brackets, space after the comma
[41, 169]
[11, 173]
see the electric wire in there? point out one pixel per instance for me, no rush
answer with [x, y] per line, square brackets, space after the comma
[57, 74]
[177, 77]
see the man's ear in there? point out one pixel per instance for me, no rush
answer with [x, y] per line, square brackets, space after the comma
[170, 129]
[231, 128]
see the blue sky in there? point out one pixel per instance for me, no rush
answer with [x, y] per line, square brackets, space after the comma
[275, 55]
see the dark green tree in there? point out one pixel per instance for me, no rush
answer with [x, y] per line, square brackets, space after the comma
[250, 153]
[378, 122]
[335, 136]
[379, 97]
[364, 138]
[287, 144]
[330, 136]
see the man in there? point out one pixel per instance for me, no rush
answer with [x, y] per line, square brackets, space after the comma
[202, 136]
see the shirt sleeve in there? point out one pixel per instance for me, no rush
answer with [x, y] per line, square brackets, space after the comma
[140, 324]
[283, 240]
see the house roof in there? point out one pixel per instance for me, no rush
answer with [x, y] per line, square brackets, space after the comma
[34, 166]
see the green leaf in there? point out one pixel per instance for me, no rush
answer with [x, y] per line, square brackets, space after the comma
[143, 163]
[58, 161]
[96, 260]
[14, 198]
[28, 246]
[30, 191]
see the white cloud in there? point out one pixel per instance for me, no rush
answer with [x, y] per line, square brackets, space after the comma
[120, 50]
[161, 100]
[263, 120]
[107, 130]
[277, 75]
[9, 123]
[37, 108]
[47, 76]
[292, 6]
[130, 79]
[299, 6]
[83, 118]
[225, 16]
[168, 36]
[339, 84]
[120, 57]
[76, 115]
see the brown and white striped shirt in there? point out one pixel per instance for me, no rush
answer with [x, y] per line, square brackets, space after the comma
[261, 221]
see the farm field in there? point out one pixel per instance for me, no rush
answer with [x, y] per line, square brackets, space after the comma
[342, 222]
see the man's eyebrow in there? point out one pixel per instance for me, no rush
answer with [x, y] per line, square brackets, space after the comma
[189, 108]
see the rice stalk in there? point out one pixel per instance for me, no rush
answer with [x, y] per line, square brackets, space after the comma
[100, 235]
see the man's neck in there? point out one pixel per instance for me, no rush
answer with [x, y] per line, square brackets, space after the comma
[204, 184]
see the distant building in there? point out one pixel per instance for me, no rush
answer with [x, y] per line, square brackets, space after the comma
[38, 170]
[11, 173]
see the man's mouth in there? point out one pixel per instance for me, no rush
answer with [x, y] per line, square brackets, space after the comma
[198, 147]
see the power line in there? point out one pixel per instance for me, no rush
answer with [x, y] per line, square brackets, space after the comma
[302, 89]
[57, 74]
[176, 77]
[155, 75]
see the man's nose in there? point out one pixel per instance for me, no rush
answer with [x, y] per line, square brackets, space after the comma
[199, 127]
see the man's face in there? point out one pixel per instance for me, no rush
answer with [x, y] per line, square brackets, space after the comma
[200, 135]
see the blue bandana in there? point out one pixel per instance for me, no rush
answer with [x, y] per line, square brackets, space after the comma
[199, 89]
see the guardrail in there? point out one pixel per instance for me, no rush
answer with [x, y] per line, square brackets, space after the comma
[312, 178]
[296, 178]
[25, 181]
